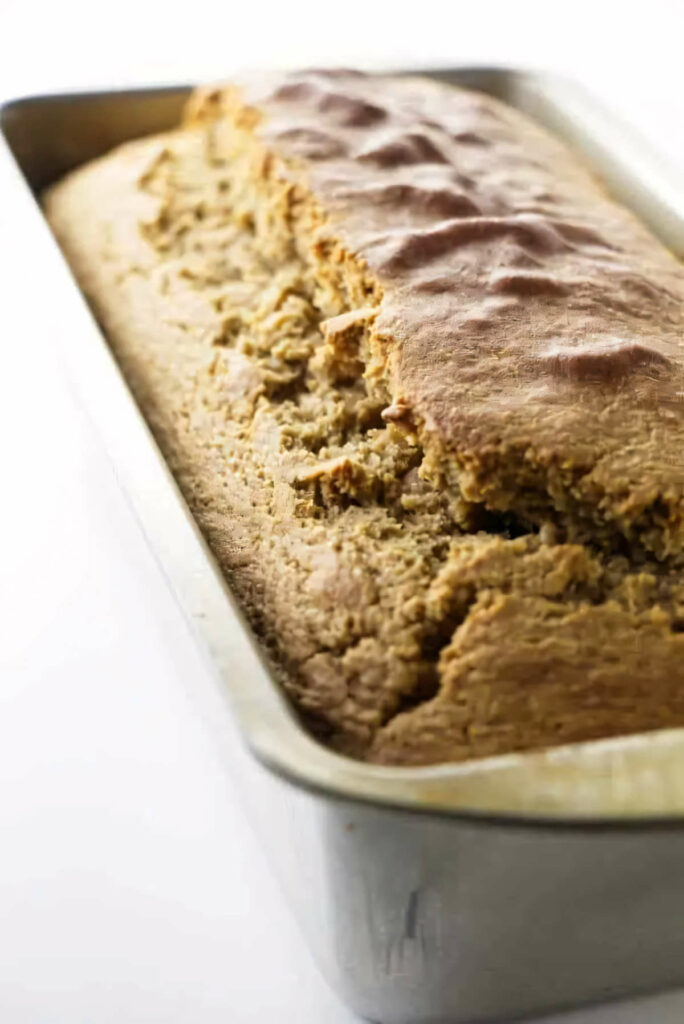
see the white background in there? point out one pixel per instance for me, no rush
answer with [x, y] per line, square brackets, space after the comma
[131, 890]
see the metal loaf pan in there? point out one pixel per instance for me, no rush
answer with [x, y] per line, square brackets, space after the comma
[483, 891]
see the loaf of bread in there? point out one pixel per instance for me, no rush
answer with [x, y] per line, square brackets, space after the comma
[420, 381]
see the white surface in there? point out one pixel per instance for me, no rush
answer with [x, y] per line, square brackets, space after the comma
[131, 889]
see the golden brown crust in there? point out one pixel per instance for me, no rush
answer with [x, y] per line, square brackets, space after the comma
[531, 326]
[547, 653]
[380, 328]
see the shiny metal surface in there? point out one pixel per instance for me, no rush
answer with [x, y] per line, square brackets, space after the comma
[454, 893]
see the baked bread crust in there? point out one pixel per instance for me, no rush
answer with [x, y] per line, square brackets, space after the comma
[411, 365]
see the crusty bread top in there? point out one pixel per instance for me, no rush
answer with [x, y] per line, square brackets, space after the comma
[323, 416]
[531, 327]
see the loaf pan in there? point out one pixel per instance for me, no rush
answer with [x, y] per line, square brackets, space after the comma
[485, 891]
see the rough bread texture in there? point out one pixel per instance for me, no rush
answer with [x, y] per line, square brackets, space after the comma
[421, 383]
